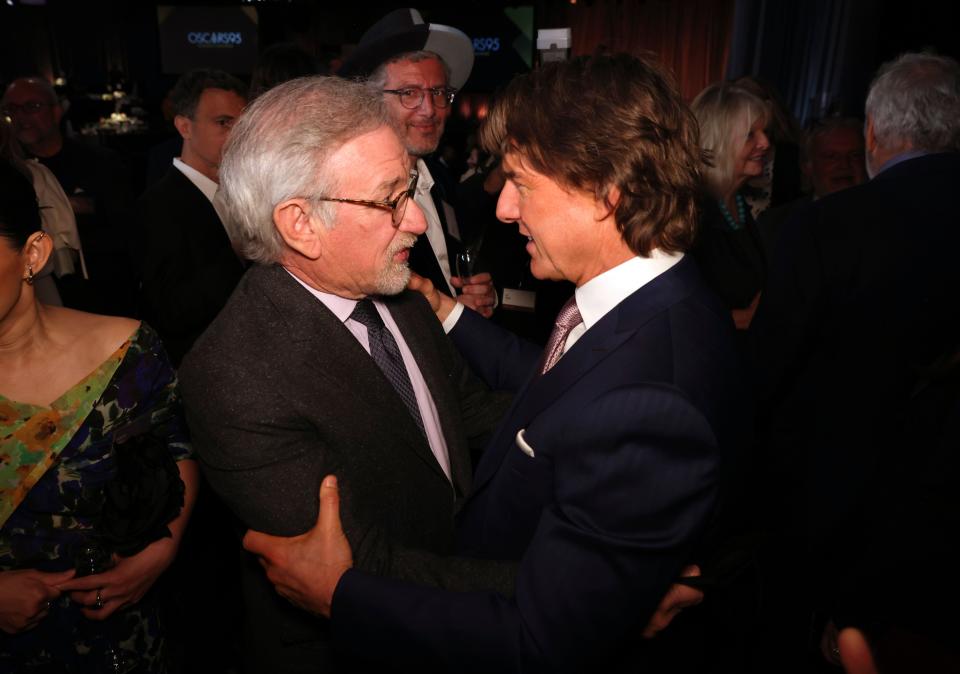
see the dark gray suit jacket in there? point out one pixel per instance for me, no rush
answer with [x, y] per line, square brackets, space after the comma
[279, 394]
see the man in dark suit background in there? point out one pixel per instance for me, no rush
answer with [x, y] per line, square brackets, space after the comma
[188, 267]
[606, 472]
[321, 361]
[860, 305]
[97, 184]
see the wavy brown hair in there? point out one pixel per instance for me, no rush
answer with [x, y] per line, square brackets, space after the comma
[593, 123]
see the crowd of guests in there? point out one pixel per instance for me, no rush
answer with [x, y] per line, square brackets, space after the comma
[735, 452]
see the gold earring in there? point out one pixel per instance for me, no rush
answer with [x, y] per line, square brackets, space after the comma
[29, 274]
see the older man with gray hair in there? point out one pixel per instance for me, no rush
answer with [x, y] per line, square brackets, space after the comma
[860, 307]
[321, 363]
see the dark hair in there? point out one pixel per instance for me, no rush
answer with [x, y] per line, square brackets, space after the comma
[19, 210]
[188, 89]
[597, 122]
[280, 63]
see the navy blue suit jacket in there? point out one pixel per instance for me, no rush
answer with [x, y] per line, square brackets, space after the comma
[629, 432]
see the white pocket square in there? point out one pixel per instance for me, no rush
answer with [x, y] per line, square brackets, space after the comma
[523, 445]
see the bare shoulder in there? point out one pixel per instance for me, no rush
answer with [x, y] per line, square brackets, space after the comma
[93, 335]
[73, 344]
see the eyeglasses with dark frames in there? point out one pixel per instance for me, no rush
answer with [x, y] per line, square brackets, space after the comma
[397, 206]
[412, 97]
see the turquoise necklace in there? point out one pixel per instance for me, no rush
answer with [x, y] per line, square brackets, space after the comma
[741, 212]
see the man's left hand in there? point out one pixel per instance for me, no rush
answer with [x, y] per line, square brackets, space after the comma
[476, 292]
[678, 597]
[305, 569]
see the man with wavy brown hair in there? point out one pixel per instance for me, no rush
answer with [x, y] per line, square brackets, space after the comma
[603, 477]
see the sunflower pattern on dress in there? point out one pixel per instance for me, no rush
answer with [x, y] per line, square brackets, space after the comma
[59, 513]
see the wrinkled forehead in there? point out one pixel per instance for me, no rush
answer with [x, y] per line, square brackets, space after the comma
[514, 161]
[518, 164]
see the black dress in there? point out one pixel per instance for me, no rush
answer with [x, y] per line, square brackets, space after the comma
[731, 260]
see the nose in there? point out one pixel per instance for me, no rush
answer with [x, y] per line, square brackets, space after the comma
[413, 220]
[763, 140]
[508, 209]
[426, 106]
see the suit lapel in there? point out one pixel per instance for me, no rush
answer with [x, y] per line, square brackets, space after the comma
[339, 364]
[599, 342]
[209, 233]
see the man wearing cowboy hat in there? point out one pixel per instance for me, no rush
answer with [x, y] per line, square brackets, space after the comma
[419, 67]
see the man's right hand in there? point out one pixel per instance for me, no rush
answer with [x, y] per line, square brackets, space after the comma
[441, 304]
[25, 597]
[305, 569]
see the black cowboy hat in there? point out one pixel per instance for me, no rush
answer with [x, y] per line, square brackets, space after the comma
[404, 30]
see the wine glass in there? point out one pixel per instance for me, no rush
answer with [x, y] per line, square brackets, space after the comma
[90, 558]
[466, 263]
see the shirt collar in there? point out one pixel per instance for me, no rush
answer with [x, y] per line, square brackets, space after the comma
[599, 295]
[341, 307]
[424, 179]
[202, 182]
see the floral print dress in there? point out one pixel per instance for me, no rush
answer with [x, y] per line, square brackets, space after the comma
[59, 513]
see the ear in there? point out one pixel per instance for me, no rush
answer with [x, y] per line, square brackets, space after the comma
[183, 125]
[870, 136]
[36, 252]
[302, 233]
[604, 208]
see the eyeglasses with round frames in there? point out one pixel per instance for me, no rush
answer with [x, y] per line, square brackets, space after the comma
[412, 97]
[397, 206]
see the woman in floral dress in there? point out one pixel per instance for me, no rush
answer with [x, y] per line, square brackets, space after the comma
[90, 428]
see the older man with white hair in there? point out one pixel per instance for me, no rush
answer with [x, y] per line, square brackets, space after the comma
[860, 307]
[321, 363]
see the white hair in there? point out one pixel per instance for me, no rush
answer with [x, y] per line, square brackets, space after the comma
[278, 150]
[915, 100]
[725, 113]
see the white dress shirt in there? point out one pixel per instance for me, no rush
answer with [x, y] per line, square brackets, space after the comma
[342, 308]
[202, 183]
[599, 295]
[434, 232]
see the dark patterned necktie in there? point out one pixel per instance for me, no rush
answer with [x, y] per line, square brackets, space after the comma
[386, 354]
[568, 318]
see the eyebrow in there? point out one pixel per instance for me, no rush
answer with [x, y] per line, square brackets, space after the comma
[388, 186]
[419, 86]
[513, 174]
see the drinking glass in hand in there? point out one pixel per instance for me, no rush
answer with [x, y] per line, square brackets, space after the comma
[466, 264]
[91, 558]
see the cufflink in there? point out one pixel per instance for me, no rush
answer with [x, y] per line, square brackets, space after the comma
[523, 445]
